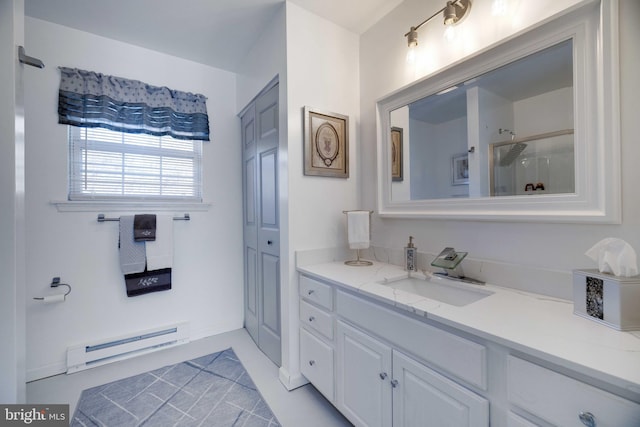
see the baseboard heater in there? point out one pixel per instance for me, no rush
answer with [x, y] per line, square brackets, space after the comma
[96, 353]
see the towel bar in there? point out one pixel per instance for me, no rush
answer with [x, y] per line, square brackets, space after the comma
[358, 210]
[102, 218]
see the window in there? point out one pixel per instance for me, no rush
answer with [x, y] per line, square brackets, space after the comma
[109, 165]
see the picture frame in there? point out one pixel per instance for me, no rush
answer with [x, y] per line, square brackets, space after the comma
[326, 143]
[396, 154]
[460, 169]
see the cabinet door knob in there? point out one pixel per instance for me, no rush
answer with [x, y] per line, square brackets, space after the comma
[394, 383]
[383, 375]
[587, 419]
[310, 292]
[312, 362]
[311, 318]
[269, 242]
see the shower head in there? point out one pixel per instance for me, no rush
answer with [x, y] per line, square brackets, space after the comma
[513, 153]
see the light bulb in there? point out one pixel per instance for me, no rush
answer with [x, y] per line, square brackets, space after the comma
[450, 33]
[499, 7]
[411, 55]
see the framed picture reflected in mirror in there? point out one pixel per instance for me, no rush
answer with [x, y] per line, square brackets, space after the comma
[396, 154]
[460, 169]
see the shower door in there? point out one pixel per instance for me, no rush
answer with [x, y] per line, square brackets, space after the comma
[259, 123]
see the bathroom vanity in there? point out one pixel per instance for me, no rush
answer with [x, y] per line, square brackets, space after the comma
[385, 355]
[389, 348]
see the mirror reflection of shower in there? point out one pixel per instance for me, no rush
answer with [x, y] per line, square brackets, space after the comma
[530, 96]
[534, 165]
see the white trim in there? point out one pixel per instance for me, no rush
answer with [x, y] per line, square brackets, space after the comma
[289, 382]
[120, 206]
[46, 371]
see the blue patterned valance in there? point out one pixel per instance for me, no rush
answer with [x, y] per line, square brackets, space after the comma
[89, 99]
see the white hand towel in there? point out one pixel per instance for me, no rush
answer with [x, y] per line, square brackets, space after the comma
[358, 229]
[131, 252]
[160, 251]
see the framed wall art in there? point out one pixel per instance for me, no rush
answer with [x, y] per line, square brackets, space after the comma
[460, 169]
[326, 143]
[396, 154]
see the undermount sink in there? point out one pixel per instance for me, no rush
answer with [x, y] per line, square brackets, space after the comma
[438, 288]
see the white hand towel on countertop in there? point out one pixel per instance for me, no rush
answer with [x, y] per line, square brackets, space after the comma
[160, 251]
[358, 229]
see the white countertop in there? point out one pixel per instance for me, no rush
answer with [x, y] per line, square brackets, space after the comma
[539, 325]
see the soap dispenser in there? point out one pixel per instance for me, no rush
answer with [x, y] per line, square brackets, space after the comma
[411, 256]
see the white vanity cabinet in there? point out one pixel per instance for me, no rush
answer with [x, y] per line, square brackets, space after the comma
[422, 397]
[316, 335]
[564, 401]
[363, 377]
[379, 386]
[316, 358]
[382, 366]
[367, 374]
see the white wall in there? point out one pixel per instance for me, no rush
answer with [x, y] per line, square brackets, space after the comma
[264, 61]
[207, 273]
[12, 311]
[432, 150]
[552, 246]
[317, 65]
[553, 111]
[322, 72]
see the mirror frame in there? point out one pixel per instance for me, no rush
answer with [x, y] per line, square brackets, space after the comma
[593, 26]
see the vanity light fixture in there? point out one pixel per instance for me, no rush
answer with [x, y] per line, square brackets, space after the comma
[453, 12]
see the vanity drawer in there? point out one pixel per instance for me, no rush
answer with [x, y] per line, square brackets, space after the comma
[317, 319]
[313, 290]
[515, 420]
[560, 400]
[463, 358]
[316, 363]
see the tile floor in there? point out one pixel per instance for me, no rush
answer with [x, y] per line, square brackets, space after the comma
[301, 407]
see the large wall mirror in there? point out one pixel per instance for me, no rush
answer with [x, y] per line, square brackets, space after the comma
[526, 130]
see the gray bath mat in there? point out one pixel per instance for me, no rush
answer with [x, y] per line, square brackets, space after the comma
[213, 390]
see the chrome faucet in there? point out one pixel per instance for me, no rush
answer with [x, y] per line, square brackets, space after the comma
[450, 262]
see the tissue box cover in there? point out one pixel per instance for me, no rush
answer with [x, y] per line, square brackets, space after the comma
[611, 300]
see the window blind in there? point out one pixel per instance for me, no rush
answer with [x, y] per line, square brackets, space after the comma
[105, 164]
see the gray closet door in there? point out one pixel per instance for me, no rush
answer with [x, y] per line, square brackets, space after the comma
[261, 223]
[250, 220]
